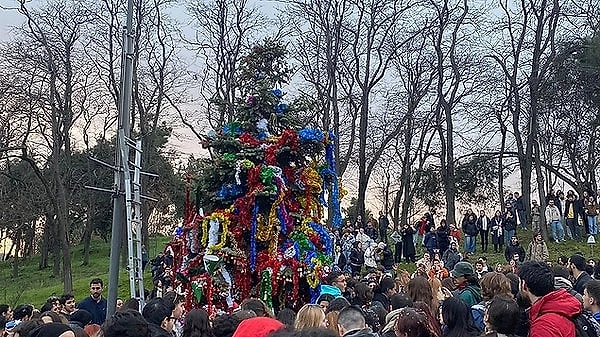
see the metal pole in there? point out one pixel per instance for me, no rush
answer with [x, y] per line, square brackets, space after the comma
[124, 123]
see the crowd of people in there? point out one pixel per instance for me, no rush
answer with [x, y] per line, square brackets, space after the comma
[450, 293]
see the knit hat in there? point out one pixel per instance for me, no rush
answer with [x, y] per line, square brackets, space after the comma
[462, 269]
[257, 327]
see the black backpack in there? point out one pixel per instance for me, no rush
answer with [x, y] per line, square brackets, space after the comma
[586, 325]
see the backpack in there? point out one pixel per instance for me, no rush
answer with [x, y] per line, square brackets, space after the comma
[478, 313]
[586, 325]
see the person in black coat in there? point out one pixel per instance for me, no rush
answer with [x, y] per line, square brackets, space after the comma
[408, 245]
[514, 248]
[357, 258]
[483, 223]
[387, 260]
[443, 237]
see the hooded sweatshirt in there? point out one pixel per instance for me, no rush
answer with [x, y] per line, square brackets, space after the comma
[552, 314]
[330, 290]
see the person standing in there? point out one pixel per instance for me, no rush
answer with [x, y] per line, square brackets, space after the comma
[591, 210]
[510, 223]
[537, 250]
[384, 223]
[570, 216]
[483, 223]
[497, 225]
[95, 304]
[443, 237]
[553, 219]
[520, 210]
[408, 244]
[536, 213]
[469, 228]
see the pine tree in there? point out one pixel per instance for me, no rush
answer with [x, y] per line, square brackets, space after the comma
[266, 186]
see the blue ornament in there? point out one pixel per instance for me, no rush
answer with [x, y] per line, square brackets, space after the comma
[311, 135]
[277, 93]
[281, 108]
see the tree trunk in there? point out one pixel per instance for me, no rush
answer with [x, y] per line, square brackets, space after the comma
[44, 246]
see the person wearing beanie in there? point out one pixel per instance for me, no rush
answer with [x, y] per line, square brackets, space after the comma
[467, 284]
[80, 318]
[257, 327]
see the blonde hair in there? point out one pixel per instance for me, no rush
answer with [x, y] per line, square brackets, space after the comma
[332, 320]
[309, 316]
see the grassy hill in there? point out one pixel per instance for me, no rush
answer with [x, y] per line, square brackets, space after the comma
[35, 286]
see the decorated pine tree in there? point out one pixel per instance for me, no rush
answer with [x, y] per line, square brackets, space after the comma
[257, 228]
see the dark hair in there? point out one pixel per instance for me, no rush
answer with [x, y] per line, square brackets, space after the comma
[426, 310]
[257, 306]
[97, 281]
[312, 332]
[3, 308]
[514, 283]
[65, 297]
[82, 316]
[333, 276]
[503, 312]
[386, 284]
[156, 310]
[174, 297]
[593, 289]
[458, 319]
[47, 307]
[578, 261]
[22, 311]
[225, 325]
[363, 292]
[325, 297]
[338, 304]
[560, 271]
[538, 277]
[400, 300]
[352, 317]
[413, 323]
[131, 304]
[287, 316]
[196, 324]
[127, 323]
[26, 327]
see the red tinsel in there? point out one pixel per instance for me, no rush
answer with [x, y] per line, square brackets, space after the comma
[288, 138]
[247, 139]
[265, 261]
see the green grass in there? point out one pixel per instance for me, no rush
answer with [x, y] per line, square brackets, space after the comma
[35, 286]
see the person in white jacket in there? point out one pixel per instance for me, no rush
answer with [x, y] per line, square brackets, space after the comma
[370, 257]
[553, 219]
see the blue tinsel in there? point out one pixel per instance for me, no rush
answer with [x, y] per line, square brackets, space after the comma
[253, 229]
[335, 188]
[233, 130]
[281, 108]
[324, 237]
[230, 191]
[311, 135]
[277, 93]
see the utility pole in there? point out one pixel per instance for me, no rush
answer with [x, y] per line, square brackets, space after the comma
[124, 123]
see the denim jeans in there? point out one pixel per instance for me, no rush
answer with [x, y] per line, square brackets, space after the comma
[470, 243]
[592, 225]
[508, 234]
[558, 234]
[572, 224]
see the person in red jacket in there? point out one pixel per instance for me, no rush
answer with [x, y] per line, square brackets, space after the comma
[552, 311]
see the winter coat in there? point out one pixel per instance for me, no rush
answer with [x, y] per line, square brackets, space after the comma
[451, 257]
[471, 295]
[469, 227]
[388, 259]
[371, 232]
[369, 259]
[552, 315]
[408, 245]
[510, 220]
[480, 223]
[580, 282]
[157, 331]
[356, 257]
[513, 249]
[537, 251]
[443, 238]
[496, 229]
[430, 241]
